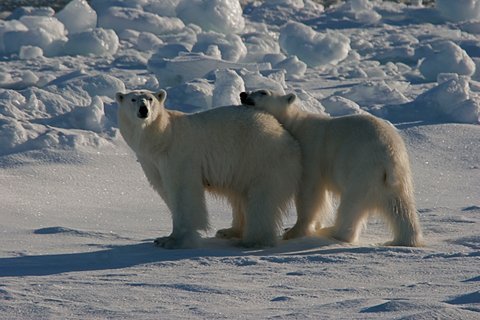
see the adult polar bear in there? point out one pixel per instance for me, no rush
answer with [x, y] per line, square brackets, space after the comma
[239, 153]
[361, 158]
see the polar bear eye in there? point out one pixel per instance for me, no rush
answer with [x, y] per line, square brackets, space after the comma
[150, 99]
[263, 92]
[134, 100]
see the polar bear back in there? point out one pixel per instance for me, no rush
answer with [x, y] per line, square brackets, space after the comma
[223, 139]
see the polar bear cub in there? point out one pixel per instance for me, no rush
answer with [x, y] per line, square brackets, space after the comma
[240, 153]
[360, 158]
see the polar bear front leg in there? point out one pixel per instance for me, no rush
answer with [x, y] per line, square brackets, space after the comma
[186, 200]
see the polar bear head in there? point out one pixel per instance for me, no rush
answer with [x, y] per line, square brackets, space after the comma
[276, 104]
[140, 106]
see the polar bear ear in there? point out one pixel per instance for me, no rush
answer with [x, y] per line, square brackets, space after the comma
[161, 95]
[291, 97]
[119, 97]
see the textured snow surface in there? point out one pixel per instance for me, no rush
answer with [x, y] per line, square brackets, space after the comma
[78, 218]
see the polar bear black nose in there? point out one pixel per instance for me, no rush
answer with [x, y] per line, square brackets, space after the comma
[246, 100]
[243, 97]
[142, 112]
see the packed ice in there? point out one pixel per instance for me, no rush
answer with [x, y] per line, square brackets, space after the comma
[77, 16]
[205, 52]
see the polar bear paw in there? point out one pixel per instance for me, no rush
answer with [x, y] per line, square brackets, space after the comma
[172, 242]
[228, 233]
[257, 243]
[166, 242]
[301, 231]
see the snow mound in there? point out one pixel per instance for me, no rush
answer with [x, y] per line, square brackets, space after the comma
[192, 96]
[450, 101]
[147, 41]
[47, 33]
[295, 69]
[96, 41]
[164, 8]
[224, 16]
[361, 11]
[37, 119]
[187, 67]
[260, 43]
[24, 80]
[230, 46]
[9, 26]
[308, 102]
[312, 47]
[274, 81]
[459, 10]
[278, 12]
[447, 57]
[371, 93]
[337, 106]
[30, 52]
[228, 85]
[90, 118]
[123, 18]
[77, 16]
[83, 86]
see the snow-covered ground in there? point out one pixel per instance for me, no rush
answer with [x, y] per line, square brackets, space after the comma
[77, 216]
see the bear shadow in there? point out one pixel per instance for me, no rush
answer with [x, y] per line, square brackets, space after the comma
[131, 255]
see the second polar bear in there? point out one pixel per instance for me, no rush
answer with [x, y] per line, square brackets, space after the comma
[242, 154]
[360, 158]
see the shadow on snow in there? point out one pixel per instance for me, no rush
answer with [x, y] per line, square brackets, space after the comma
[131, 255]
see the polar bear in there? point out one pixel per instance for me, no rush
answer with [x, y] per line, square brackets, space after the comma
[360, 158]
[242, 154]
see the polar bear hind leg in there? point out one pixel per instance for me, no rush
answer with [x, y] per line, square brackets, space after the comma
[402, 216]
[313, 206]
[238, 221]
[264, 208]
[351, 214]
[398, 210]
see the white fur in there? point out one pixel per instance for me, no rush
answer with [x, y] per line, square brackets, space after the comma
[242, 154]
[360, 158]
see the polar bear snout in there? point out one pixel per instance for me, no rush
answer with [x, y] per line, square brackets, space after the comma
[246, 100]
[142, 111]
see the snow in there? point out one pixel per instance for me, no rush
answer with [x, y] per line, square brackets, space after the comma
[447, 57]
[96, 41]
[78, 217]
[78, 16]
[459, 10]
[337, 106]
[30, 52]
[223, 16]
[313, 48]
[361, 11]
[121, 18]
[147, 41]
[227, 86]
[294, 68]
[230, 47]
